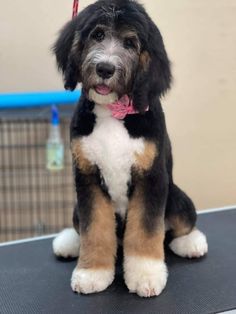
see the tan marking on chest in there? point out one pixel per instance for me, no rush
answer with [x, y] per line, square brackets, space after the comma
[78, 156]
[144, 160]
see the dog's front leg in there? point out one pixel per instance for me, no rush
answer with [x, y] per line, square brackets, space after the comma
[144, 266]
[95, 222]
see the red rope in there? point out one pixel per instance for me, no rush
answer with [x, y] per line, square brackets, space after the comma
[75, 8]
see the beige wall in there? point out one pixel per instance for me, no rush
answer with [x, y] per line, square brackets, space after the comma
[200, 38]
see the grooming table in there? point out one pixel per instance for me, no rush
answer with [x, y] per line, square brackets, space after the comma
[32, 280]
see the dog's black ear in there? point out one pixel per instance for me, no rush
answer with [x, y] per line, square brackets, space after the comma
[160, 71]
[64, 55]
[68, 50]
[153, 77]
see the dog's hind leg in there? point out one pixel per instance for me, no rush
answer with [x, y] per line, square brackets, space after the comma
[181, 220]
[66, 243]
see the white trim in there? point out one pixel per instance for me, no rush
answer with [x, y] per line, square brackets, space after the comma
[214, 210]
[27, 240]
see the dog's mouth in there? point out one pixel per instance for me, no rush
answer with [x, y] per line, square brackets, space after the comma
[103, 89]
[102, 94]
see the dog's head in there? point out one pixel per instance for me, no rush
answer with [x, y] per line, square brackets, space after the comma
[113, 48]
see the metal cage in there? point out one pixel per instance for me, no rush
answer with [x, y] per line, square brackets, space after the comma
[33, 200]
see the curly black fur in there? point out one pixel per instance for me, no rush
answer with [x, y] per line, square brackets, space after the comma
[150, 83]
[162, 196]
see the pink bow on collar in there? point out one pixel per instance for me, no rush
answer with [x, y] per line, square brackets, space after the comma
[122, 107]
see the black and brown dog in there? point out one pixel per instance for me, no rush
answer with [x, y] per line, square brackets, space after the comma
[121, 151]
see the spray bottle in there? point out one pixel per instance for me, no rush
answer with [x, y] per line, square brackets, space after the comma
[55, 147]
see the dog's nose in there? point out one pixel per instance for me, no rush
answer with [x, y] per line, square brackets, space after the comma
[105, 70]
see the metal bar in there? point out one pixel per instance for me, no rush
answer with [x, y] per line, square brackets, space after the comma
[28, 240]
[215, 210]
[208, 211]
[38, 99]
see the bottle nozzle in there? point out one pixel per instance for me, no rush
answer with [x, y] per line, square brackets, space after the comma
[55, 116]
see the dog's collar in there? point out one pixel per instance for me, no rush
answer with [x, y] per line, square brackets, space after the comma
[123, 107]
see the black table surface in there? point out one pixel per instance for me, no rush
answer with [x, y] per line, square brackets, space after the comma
[32, 280]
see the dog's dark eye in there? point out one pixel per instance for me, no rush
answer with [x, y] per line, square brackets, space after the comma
[99, 35]
[129, 43]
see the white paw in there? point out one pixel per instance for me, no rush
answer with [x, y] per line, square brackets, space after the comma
[66, 244]
[191, 245]
[91, 280]
[144, 276]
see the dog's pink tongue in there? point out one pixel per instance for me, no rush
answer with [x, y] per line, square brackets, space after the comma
[103, 89]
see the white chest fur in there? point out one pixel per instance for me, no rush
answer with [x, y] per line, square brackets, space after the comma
[111, 148]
